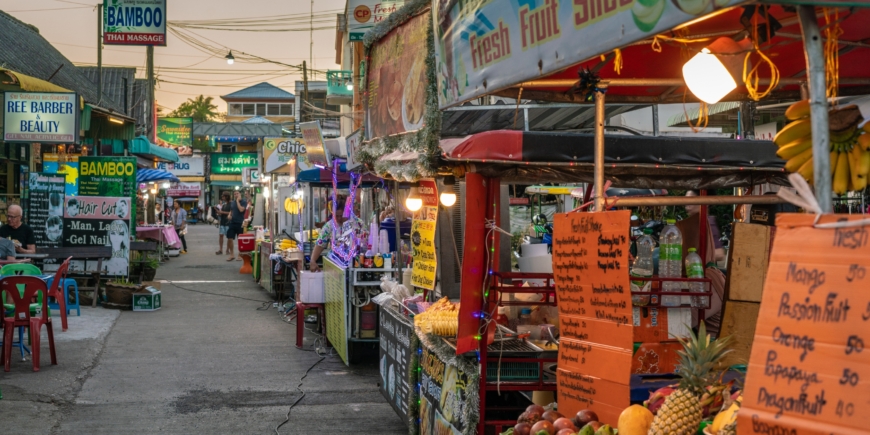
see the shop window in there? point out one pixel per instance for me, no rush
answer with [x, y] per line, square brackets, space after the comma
[235, 109]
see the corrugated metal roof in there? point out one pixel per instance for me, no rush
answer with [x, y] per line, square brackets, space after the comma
[679, 120]
[261, 91]
[117, 84]
[29, 53]
[257, 120]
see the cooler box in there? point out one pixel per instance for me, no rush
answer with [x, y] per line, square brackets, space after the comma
[311, 290]
[247, 243]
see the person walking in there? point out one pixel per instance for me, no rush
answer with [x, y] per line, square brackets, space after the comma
[179, 220]
[237, 218]
[223, 213]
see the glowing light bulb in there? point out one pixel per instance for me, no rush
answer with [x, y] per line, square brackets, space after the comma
[414, 204]
[448, 199]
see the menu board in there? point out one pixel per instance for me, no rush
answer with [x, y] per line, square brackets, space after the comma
[425, 262]
[442, 396]
[398, 345]
[590, 269]
[809, 371]
[45, 210]
[100, 221]
[336, 307]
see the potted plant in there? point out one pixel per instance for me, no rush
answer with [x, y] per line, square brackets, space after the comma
[150, 269]
[119, 293]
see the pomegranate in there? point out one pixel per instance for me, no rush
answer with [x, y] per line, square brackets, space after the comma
[585, 416]
[551, 416]
[545, 426]
[535, 408]
[564, 423]
[566, 432]
[522, 429]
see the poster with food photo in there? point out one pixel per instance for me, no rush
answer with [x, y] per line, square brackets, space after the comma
[397, 80]
[443, 398]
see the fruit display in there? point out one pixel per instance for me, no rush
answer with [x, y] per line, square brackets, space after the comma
[441, 318]
[849, 149]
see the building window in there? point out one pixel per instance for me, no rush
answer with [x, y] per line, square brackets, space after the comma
[228, 148]
[286, 109]
[248, 109]
[273, 110]
[261, 109]
[235, 109]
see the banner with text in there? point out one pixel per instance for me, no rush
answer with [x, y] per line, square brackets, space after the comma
[363, 15]
[177, 134]
[425, 260]
[41, 117]
[809, 371]
[442, 396]
[485, 46]
[134, 22]
[52, 164]
[398, 349]
[315, 152]
[232, 163]
[397, 80]
[100, 221]
[185, 167]
[590, 269]
[279, 152]
[45, 210]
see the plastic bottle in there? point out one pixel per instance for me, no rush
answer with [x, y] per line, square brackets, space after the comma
[643, 263]
[525, 317]
[672, 251]
[695, 269]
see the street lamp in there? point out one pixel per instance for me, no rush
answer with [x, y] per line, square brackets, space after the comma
[230, 59]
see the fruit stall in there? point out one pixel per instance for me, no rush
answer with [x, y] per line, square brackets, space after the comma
[461, 378]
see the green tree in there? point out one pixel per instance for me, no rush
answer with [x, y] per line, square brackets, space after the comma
[201, 109]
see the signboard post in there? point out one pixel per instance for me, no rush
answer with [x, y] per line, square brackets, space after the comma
[176, 133]
[423, 237]
[45, 211]
[41, 117]
[590, 269]
[134, 22]
[808, 371]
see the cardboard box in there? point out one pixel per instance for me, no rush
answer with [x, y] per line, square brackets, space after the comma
[311, 289]
[147, 299]
[747, 262]
[655, 358]
[738, 321]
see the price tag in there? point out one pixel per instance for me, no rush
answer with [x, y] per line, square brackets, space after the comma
[809, 372]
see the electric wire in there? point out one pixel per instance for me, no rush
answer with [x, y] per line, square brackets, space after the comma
[216, 294]
[298, 388]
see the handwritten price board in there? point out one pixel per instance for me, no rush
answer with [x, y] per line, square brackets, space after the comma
[336, 307]
[809, 371]
[590, 265]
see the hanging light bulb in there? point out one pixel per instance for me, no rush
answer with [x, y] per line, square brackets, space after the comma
[413, 202]
[166, 185]
[448, 196]
[230, 59]
[710, 74]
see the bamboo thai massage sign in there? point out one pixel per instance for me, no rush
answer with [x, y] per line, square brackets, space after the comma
[590, 267]
[809, 372]
[423, 237]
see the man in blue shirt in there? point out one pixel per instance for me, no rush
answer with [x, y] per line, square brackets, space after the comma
[237, 217]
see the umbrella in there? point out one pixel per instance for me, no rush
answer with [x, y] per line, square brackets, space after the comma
[152, 175]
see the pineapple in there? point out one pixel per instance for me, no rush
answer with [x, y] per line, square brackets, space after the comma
[682, 411]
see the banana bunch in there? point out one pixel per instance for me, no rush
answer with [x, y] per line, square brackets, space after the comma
[850, 146]
[287, 244]
[441, 318]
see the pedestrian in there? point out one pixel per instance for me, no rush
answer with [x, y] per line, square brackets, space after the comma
[223, 214]
[19, 232]
[179, 220]
[237, 218]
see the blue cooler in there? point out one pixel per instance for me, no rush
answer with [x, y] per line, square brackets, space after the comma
[390, 225]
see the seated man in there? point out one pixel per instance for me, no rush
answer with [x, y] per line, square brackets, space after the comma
[7, 253]
[20, 233]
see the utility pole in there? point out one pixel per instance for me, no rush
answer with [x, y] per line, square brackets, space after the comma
[311, 38]
[303, 111]
[100, 53]
[152, 113]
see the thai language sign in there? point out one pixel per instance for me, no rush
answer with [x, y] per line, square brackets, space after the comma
[397, 80]
[278, 152]
[590, 269]
[182, 189]
[45, 211]
[362, 15]
[100, 221]
[134, 22]
[315, 151]
[442, 396]
[489, 45]
[808, 371]
[41, 117]
[232, 163]
[423, 237]
[186, 166]
[176, 133]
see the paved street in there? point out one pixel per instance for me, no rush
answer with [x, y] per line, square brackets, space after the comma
[205, 363]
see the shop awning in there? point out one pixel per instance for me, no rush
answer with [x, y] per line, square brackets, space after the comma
[141, 146]
[191, 179]
[630, 161]
[32, 84]
[154, 175]
[226, 180]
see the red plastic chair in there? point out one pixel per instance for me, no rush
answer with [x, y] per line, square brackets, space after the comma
[56, 291]
[21, 316]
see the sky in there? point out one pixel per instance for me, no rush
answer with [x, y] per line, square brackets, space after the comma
[71, 26]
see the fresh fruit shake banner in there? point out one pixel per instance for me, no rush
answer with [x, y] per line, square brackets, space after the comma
[45, 211]
[443, 396]
[423, 237]
[70, 170]
[809, 371]
[100, 221]
[489, 45]
[590, 269]
[397, 82]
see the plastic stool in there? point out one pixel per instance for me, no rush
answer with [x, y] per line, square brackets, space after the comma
[67, 283]
[21, 347]
[300, 321]
[246, 263]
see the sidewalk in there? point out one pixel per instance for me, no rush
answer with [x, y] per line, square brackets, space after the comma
[205, 363]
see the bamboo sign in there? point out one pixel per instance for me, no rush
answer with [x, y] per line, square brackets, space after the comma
[809, 371]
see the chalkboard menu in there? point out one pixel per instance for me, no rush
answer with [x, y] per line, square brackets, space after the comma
[590, 269]
[443, 399]
[45, 208]
[809, 370]
[398, 344]
[100, 221]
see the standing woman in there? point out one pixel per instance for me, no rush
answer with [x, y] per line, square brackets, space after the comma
[223, 213]
[179, 220]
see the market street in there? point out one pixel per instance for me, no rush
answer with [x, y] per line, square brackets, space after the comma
[201, 364]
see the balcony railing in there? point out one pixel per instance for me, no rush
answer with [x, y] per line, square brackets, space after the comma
[339, 87]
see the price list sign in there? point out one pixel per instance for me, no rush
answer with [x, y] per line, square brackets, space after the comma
[590, 267]
[398, 346]
[809, 371]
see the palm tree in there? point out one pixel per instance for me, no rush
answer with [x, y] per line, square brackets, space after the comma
[201, 109]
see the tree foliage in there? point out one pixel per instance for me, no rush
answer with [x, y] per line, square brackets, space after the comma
[201, 109]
